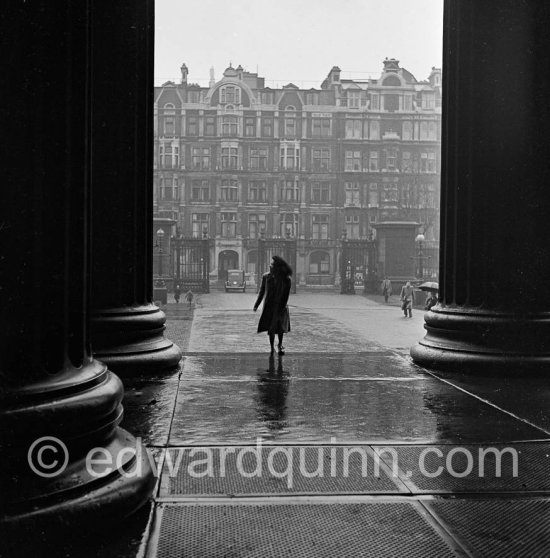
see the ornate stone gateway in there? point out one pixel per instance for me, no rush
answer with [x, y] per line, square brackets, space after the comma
[358, 266]
[191, 263]
[269, 247]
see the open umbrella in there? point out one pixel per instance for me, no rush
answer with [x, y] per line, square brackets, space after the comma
[430, 286]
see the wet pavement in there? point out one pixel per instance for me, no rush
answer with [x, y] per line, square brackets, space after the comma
[341, 447]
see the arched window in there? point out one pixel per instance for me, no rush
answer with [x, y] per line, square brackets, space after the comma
[392, 81]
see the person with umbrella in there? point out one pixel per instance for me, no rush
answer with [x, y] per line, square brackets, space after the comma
[432, 288]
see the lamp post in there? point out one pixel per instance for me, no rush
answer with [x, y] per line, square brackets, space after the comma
[160, 236]
[420, 255]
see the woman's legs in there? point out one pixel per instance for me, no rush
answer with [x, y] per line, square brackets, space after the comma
[272, 341]
[281, 348]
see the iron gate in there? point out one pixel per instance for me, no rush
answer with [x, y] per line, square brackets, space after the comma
[269, 247]
[191, 263]
[358, 266]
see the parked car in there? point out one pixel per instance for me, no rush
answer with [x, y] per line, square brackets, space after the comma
[235, 280]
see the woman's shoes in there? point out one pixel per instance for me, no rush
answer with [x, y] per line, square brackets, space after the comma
[281, 350]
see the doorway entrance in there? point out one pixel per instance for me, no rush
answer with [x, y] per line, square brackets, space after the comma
[228, 259]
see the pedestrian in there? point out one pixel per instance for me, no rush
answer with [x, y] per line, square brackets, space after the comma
[189, 297]
[177, 293]
[275, 287]
[386, 288]
[430, 301]
[407, 298]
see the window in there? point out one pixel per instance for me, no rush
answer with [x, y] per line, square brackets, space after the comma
[352, 194]
[290, 191]
[267, 97]
[229, 157]
[424, 131]
[201, 158]
[321, 159]
[312, 98]
[374, 130]
[391, 103]
[320, 192]
[289, 225]
[290, 122]
[290, 155]
[407, 102]
[229, 126]
[353, 161]
[373, 161]
[200, 190]
[352, 226]
[353, 128]
[319, 227]
[427, 162]
[320, 127]
[290, 127]
[391, 159]
[406, 163]
[169, 188]
[230, 190]
[256, 225]
[210, 126]
[193, 96]
[354, 99]
[432, 131]
[169, 127]
[390, 193]
[229, 225]
[257, 191]
[374, 101]
[428, 100]
[192, 125]
[373, 194]
[169, 155]
[230, 95]
[407, 130]
[250, 126]
[267, 127]
[319, 262]
[200, 224]
[258, 158]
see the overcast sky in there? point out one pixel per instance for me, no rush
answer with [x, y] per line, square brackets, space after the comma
[296, 41]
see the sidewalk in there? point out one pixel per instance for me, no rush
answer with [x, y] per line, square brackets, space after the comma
[346, 392]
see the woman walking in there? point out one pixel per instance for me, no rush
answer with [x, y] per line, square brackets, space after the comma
[275, 288]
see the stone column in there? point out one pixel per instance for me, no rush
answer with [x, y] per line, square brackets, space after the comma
[50, 385]
[127, 328]
[494, 311]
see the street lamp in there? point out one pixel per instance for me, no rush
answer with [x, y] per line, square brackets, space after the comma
[420, 255]
[160, 236]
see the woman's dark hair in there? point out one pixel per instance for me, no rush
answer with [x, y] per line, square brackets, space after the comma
[280, 267]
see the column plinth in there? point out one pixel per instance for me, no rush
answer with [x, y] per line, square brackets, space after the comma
[131, 340]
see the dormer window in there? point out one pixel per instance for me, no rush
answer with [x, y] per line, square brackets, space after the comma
[230, 94]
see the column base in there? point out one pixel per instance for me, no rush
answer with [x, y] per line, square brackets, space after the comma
[56, 435]
[130, 340]
[474, 341]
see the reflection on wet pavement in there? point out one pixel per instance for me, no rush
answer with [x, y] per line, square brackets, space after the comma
[274, 404]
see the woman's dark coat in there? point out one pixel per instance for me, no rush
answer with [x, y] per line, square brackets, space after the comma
[275, 317]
